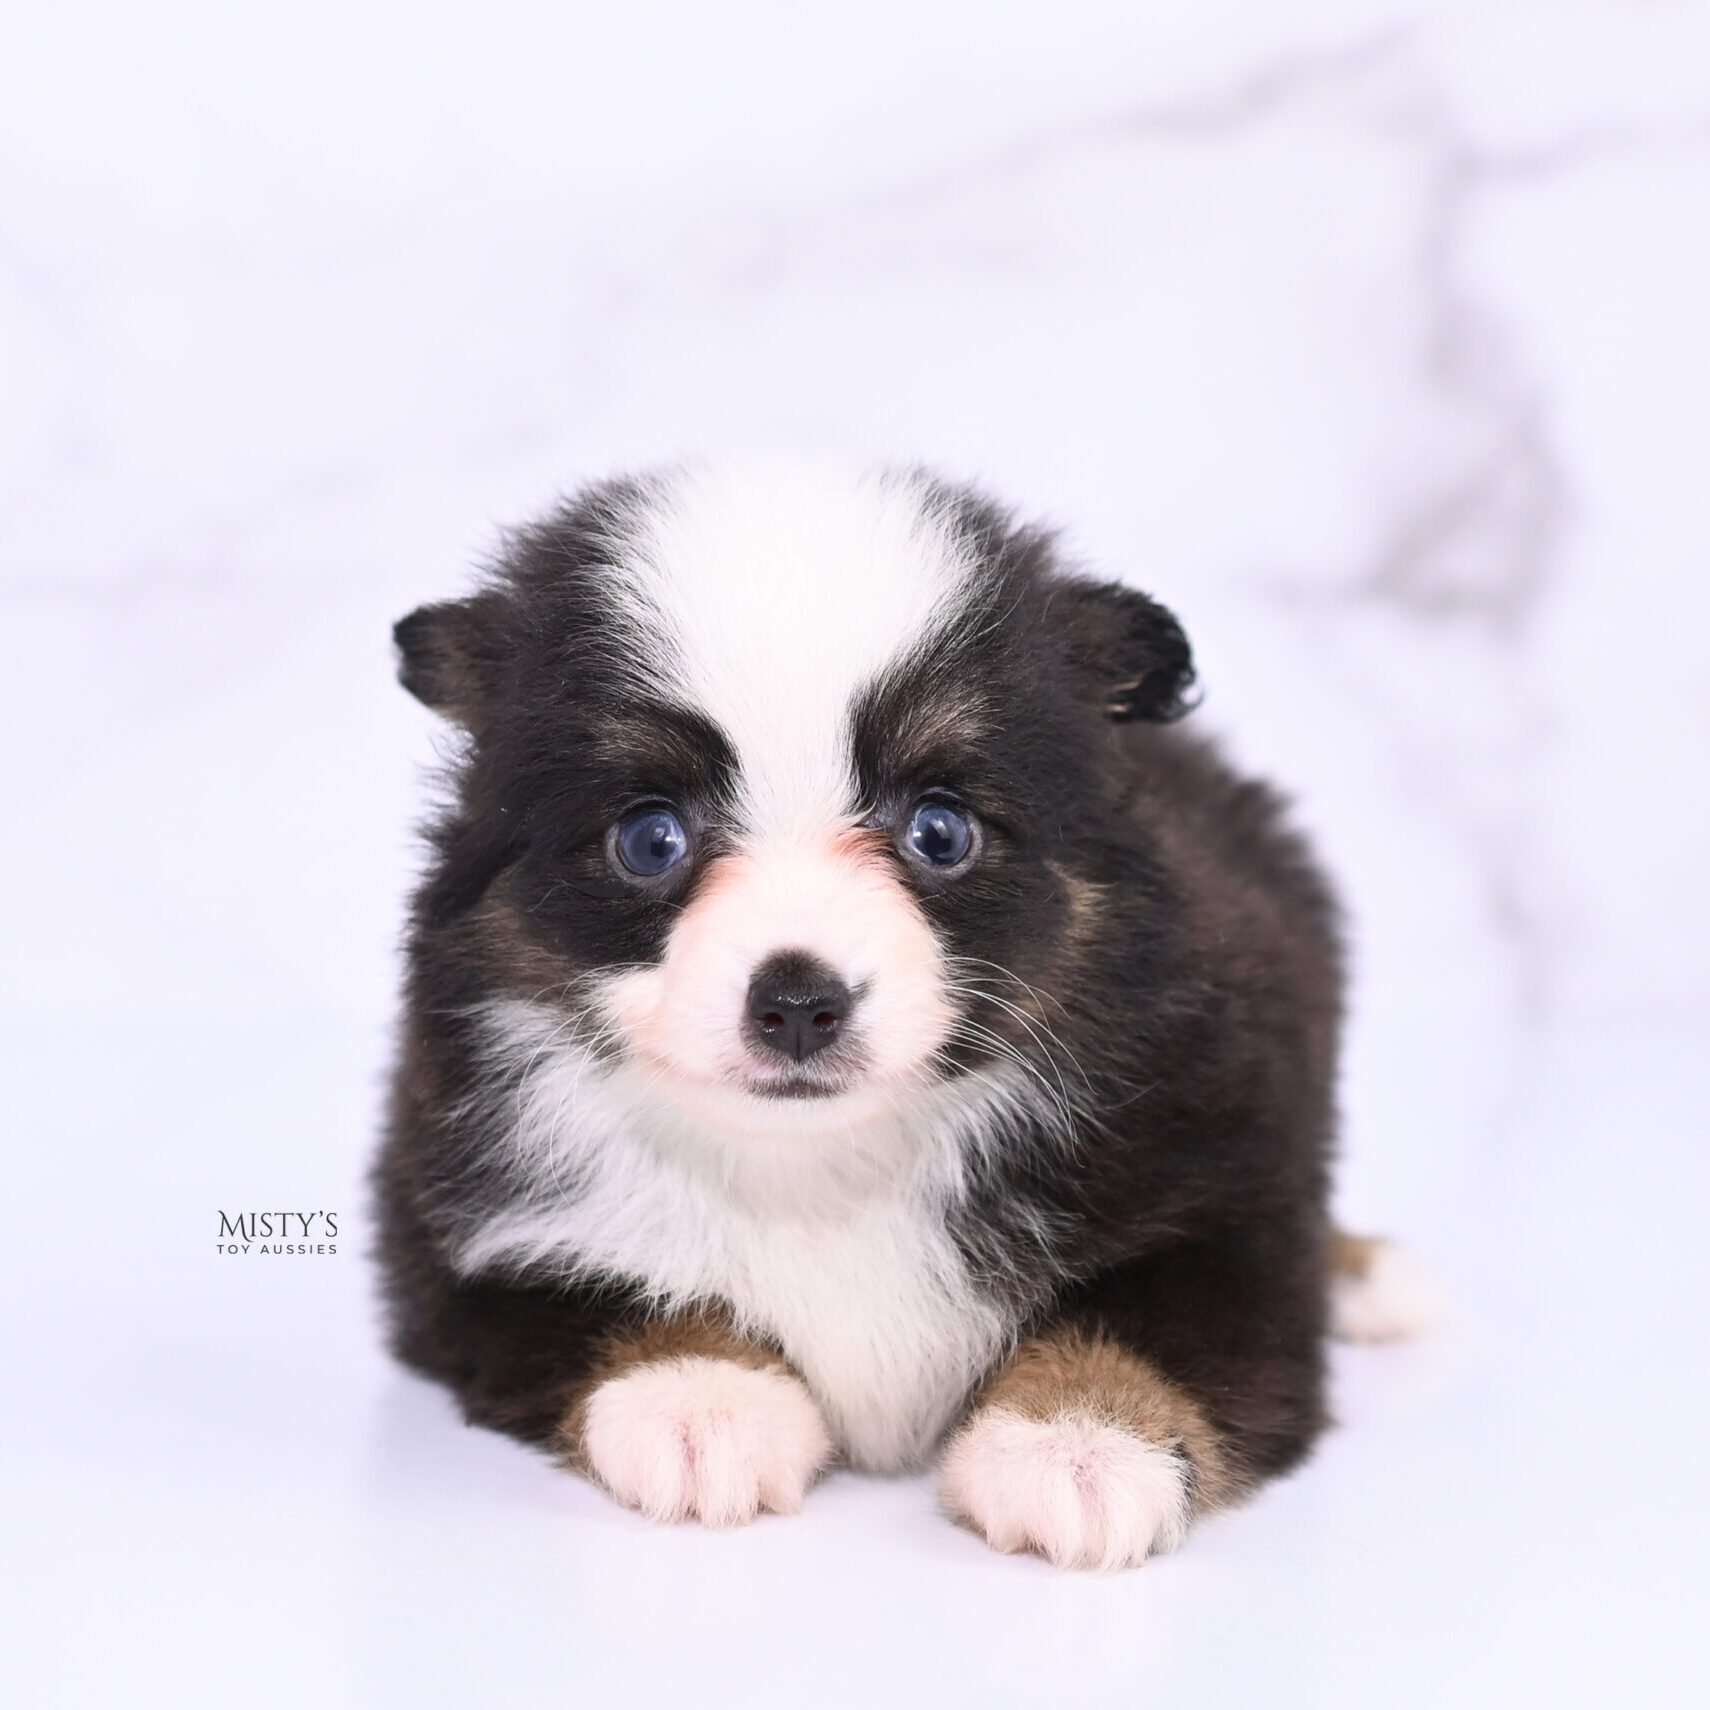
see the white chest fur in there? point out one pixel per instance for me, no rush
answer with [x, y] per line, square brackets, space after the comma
[835, 1246]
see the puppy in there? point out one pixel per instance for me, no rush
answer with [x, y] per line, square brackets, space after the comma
[846, 1019]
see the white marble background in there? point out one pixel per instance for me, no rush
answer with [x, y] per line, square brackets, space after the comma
[1373, 337]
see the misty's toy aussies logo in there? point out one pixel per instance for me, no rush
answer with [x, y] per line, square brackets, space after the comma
[278, 1232]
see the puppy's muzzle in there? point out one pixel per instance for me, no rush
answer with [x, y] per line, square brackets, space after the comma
[797, 1006]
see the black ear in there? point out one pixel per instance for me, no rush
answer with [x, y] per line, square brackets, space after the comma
[1135, 651]
[450, 655]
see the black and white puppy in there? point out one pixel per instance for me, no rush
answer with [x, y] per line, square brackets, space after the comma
[846, 1020]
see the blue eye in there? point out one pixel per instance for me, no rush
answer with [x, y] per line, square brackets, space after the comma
[651, 842]
[939, 835]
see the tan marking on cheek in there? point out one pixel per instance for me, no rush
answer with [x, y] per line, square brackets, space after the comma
[510, 956]
[1086, 904]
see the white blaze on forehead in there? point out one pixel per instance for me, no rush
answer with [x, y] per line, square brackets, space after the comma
[770, 596]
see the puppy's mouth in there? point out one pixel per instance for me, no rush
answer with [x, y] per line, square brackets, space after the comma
[797, 1084]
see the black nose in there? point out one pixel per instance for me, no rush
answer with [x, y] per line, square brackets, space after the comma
[797, 1006]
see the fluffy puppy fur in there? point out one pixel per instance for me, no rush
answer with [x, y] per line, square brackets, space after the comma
[847, 1018]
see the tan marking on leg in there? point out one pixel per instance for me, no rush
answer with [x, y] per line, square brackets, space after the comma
[1084, 1453]
[685, 1420]
[1352, 1255]
[704, 1334]
[1380, 1292]
[1068, 1371]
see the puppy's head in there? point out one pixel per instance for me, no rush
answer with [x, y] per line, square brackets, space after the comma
[785, 786]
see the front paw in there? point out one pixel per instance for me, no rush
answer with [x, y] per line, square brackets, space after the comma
[696, 1438]
[1081, 1491]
